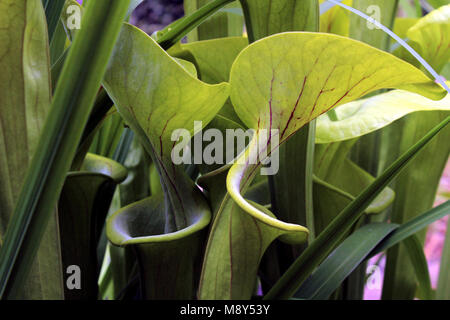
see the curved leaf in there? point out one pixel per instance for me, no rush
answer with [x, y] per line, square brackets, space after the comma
[167, 261]
[430, 38]
[270, 90]
[361, 117]
[230, 267]
[140, 72]
[82, 209]
[336, 20]
[213, 59]
[284, 81]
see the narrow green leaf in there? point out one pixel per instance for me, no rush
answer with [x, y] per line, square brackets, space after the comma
[25, 102]
[413, 226]
[73, 99]
[53, 11]
[418, 260]
[177, 30]
[343, 260]
[332, 235]
[443, 287]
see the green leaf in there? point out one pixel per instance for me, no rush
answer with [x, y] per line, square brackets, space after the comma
[213, 59]
[430, 38]
[412, 227]
[53, 11]
[82, 209]
[73, 99]
[360, 28]
[178, 29]
[221, 24]
[346, 257]
[336, 230]
[272, 89]
[168, 260]
[361, 117]
[140, 71]
[108, 136]
[176, 100]
[343, 260]
[263, 18]
[137, 186]
[336, 20]
[437, 3]
[421, 177]
[443, 287]
[236, 244]
[418, 260]
[26, 93]
[333, 167]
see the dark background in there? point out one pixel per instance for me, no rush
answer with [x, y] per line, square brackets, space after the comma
[153, 15]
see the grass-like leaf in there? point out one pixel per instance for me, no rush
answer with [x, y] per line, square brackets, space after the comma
[74, 96]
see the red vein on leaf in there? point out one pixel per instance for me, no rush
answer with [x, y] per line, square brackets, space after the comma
[295, 107]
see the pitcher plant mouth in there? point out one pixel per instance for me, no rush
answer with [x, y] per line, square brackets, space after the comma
[125, 227]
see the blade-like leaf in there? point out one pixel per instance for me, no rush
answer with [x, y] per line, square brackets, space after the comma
[73, 99]
[343, 260]
[443, 287]
[25, 102]
[418, 260]
[413, 226]
[53, 11]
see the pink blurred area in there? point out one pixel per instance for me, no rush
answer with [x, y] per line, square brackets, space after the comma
[434, 241]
